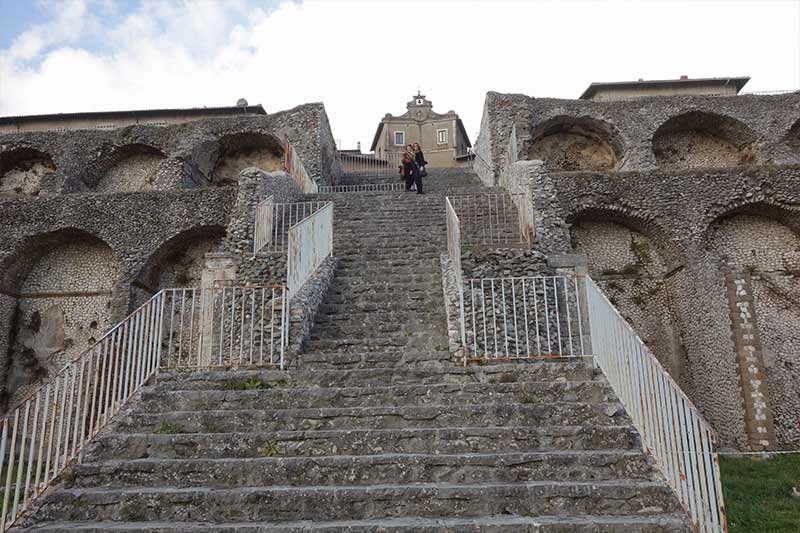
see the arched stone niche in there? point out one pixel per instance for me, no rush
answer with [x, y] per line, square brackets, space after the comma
[177, 263]
[129, 168]
[699, 139]
[576, 143]
[243, 150]
[56, 303]
[23, 170]
[768, 249]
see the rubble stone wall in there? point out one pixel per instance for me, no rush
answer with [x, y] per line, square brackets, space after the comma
[646, 133]
[660, 242]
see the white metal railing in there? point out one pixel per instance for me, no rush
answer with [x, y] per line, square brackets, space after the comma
[371, 165]
[310, 242]
[363, 187]
[672, 429]
[523, 318]
[294, 167]
[569, 316]
[273, 222]
[48, 430]
[225, 326]
[454, 240]
[494, 219]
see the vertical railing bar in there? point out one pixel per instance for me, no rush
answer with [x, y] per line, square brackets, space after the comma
[516, 327]
[230, 325]
[57, 455]
[494, 320]
[21, 458]
[252, 321]
[569, 318]
[578, 293]
[505, 315]
[547, 316]
[9, 474]
[525, 318]
[536, 319]
[3, 462]
[32, 449]
[558, 317]
[40, 457]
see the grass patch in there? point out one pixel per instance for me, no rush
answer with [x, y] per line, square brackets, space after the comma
[168, 428]
[269, 449]
[758, 493]
[250, 384]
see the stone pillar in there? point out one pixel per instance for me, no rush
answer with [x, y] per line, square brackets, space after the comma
[750, 360]
[220, 270]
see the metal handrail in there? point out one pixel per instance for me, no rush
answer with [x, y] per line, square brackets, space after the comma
[672, 429]
[50, 428]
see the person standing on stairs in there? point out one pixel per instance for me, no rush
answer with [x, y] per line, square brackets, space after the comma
[408, 168]
[419, 158]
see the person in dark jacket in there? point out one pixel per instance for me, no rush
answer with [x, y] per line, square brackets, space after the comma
[408, 169]
[419, 158]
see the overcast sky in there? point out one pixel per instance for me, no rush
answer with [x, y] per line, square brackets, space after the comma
[366, 58]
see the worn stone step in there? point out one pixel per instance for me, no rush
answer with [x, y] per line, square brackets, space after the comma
[657, 523]
[381, 417]
[390, 468]
[359, 359]
[530, 498]
[251, 444]
[550, 370]
[530, 392]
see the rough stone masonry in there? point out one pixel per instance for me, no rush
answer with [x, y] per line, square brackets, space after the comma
[684, 208]
[95, 222]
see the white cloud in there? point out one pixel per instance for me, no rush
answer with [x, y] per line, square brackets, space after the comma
[364, 59]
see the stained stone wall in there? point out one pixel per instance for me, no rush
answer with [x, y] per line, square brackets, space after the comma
[193, 153]
[660, 243]
[24, 172]
[646, 133]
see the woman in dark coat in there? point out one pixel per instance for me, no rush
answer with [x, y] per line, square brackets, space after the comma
[408, 169]
[419, 158]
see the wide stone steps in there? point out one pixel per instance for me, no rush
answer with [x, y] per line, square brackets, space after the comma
[572, 370]
[396, 395]
[396, 359]
[390, 468]
[655, 523]
[381, 417]
[342, 502]
[441, 440]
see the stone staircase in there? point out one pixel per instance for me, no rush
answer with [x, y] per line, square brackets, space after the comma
[376, 429]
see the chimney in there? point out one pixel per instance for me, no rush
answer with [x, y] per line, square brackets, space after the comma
[358, 146]
[684, 77]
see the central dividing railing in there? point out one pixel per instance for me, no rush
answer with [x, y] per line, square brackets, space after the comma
[225, 326]
[523, 318]
[273, 222]
[497, 219]
[310, 242]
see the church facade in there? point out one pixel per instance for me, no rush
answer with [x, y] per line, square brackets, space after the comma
[442, 136]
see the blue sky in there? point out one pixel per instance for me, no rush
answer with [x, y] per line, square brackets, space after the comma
[365, 58]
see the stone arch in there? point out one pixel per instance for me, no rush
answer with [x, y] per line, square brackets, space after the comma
[699, 139]
[128, 168]
[630, 260]
[576, 143]
[22, 171]
[57, 299]
[242, 150]
[178, 262]
[762, 243]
